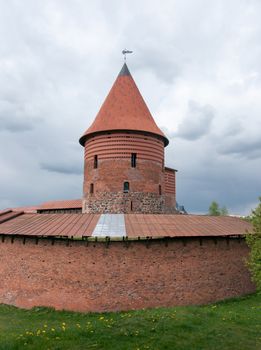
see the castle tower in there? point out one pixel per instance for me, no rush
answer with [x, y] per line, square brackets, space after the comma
[124, 168]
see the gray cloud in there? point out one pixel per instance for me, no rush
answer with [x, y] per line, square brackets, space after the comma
[63, 168]
[196, 123]
[250, 149]
[14, 118]
[15, 125]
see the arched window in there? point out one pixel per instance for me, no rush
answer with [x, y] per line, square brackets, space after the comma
[126, 187]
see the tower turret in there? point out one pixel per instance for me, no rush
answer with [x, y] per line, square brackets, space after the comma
[124, 155]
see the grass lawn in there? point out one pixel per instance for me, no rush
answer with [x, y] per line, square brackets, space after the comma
[234, 324]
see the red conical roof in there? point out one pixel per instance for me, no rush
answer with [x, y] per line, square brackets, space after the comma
[124, 109]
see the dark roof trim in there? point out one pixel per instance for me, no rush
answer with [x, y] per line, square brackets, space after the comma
[171, 169]
[83, 139]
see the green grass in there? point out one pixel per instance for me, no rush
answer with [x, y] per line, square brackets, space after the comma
[233, 324]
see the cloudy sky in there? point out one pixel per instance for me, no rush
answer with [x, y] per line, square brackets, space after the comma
[196, 62]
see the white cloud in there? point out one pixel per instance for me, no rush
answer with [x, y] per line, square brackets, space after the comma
[58, 60]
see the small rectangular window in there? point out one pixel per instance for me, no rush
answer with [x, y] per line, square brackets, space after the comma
[95, 164]
[91, 188]
[133, 160]
[160, 190]
[126, 187]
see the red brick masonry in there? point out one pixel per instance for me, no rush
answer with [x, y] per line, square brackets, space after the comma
[95, 276]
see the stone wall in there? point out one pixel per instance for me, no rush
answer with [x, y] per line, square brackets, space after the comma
[132, 202]
[119, 202]
[95, 276]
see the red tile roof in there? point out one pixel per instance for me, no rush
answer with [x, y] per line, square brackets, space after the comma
[61, 204]
[183, 225]
[4, 211]
[124, 109]
[6, 215]
[137, 225]
[32, 209]
[75, 225]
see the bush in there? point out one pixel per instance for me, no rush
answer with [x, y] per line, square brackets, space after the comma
[253, 240]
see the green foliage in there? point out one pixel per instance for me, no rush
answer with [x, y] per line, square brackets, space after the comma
[215, 210]
[229, 325]
[254, 242]
[223, 211]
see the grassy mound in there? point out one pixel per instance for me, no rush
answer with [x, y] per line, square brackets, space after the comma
[234, 324]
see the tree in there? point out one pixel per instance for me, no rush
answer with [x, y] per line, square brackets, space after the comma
[215, 210]
[253, 240]
[223, 211]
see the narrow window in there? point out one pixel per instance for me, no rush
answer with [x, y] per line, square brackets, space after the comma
[126, 187]
[91, 188]
[160, 190]
[95, 163]
[131, 206]
[133, 160]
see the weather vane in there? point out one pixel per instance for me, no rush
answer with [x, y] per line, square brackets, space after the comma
[125, 52]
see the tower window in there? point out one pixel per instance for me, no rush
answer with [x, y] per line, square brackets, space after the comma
[95, 162]
[160, 190]
[133, 160]
[91, 188]
[126, 187]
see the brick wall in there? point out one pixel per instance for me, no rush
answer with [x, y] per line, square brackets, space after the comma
[104, 179]
[96, 277]
[170, 190]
